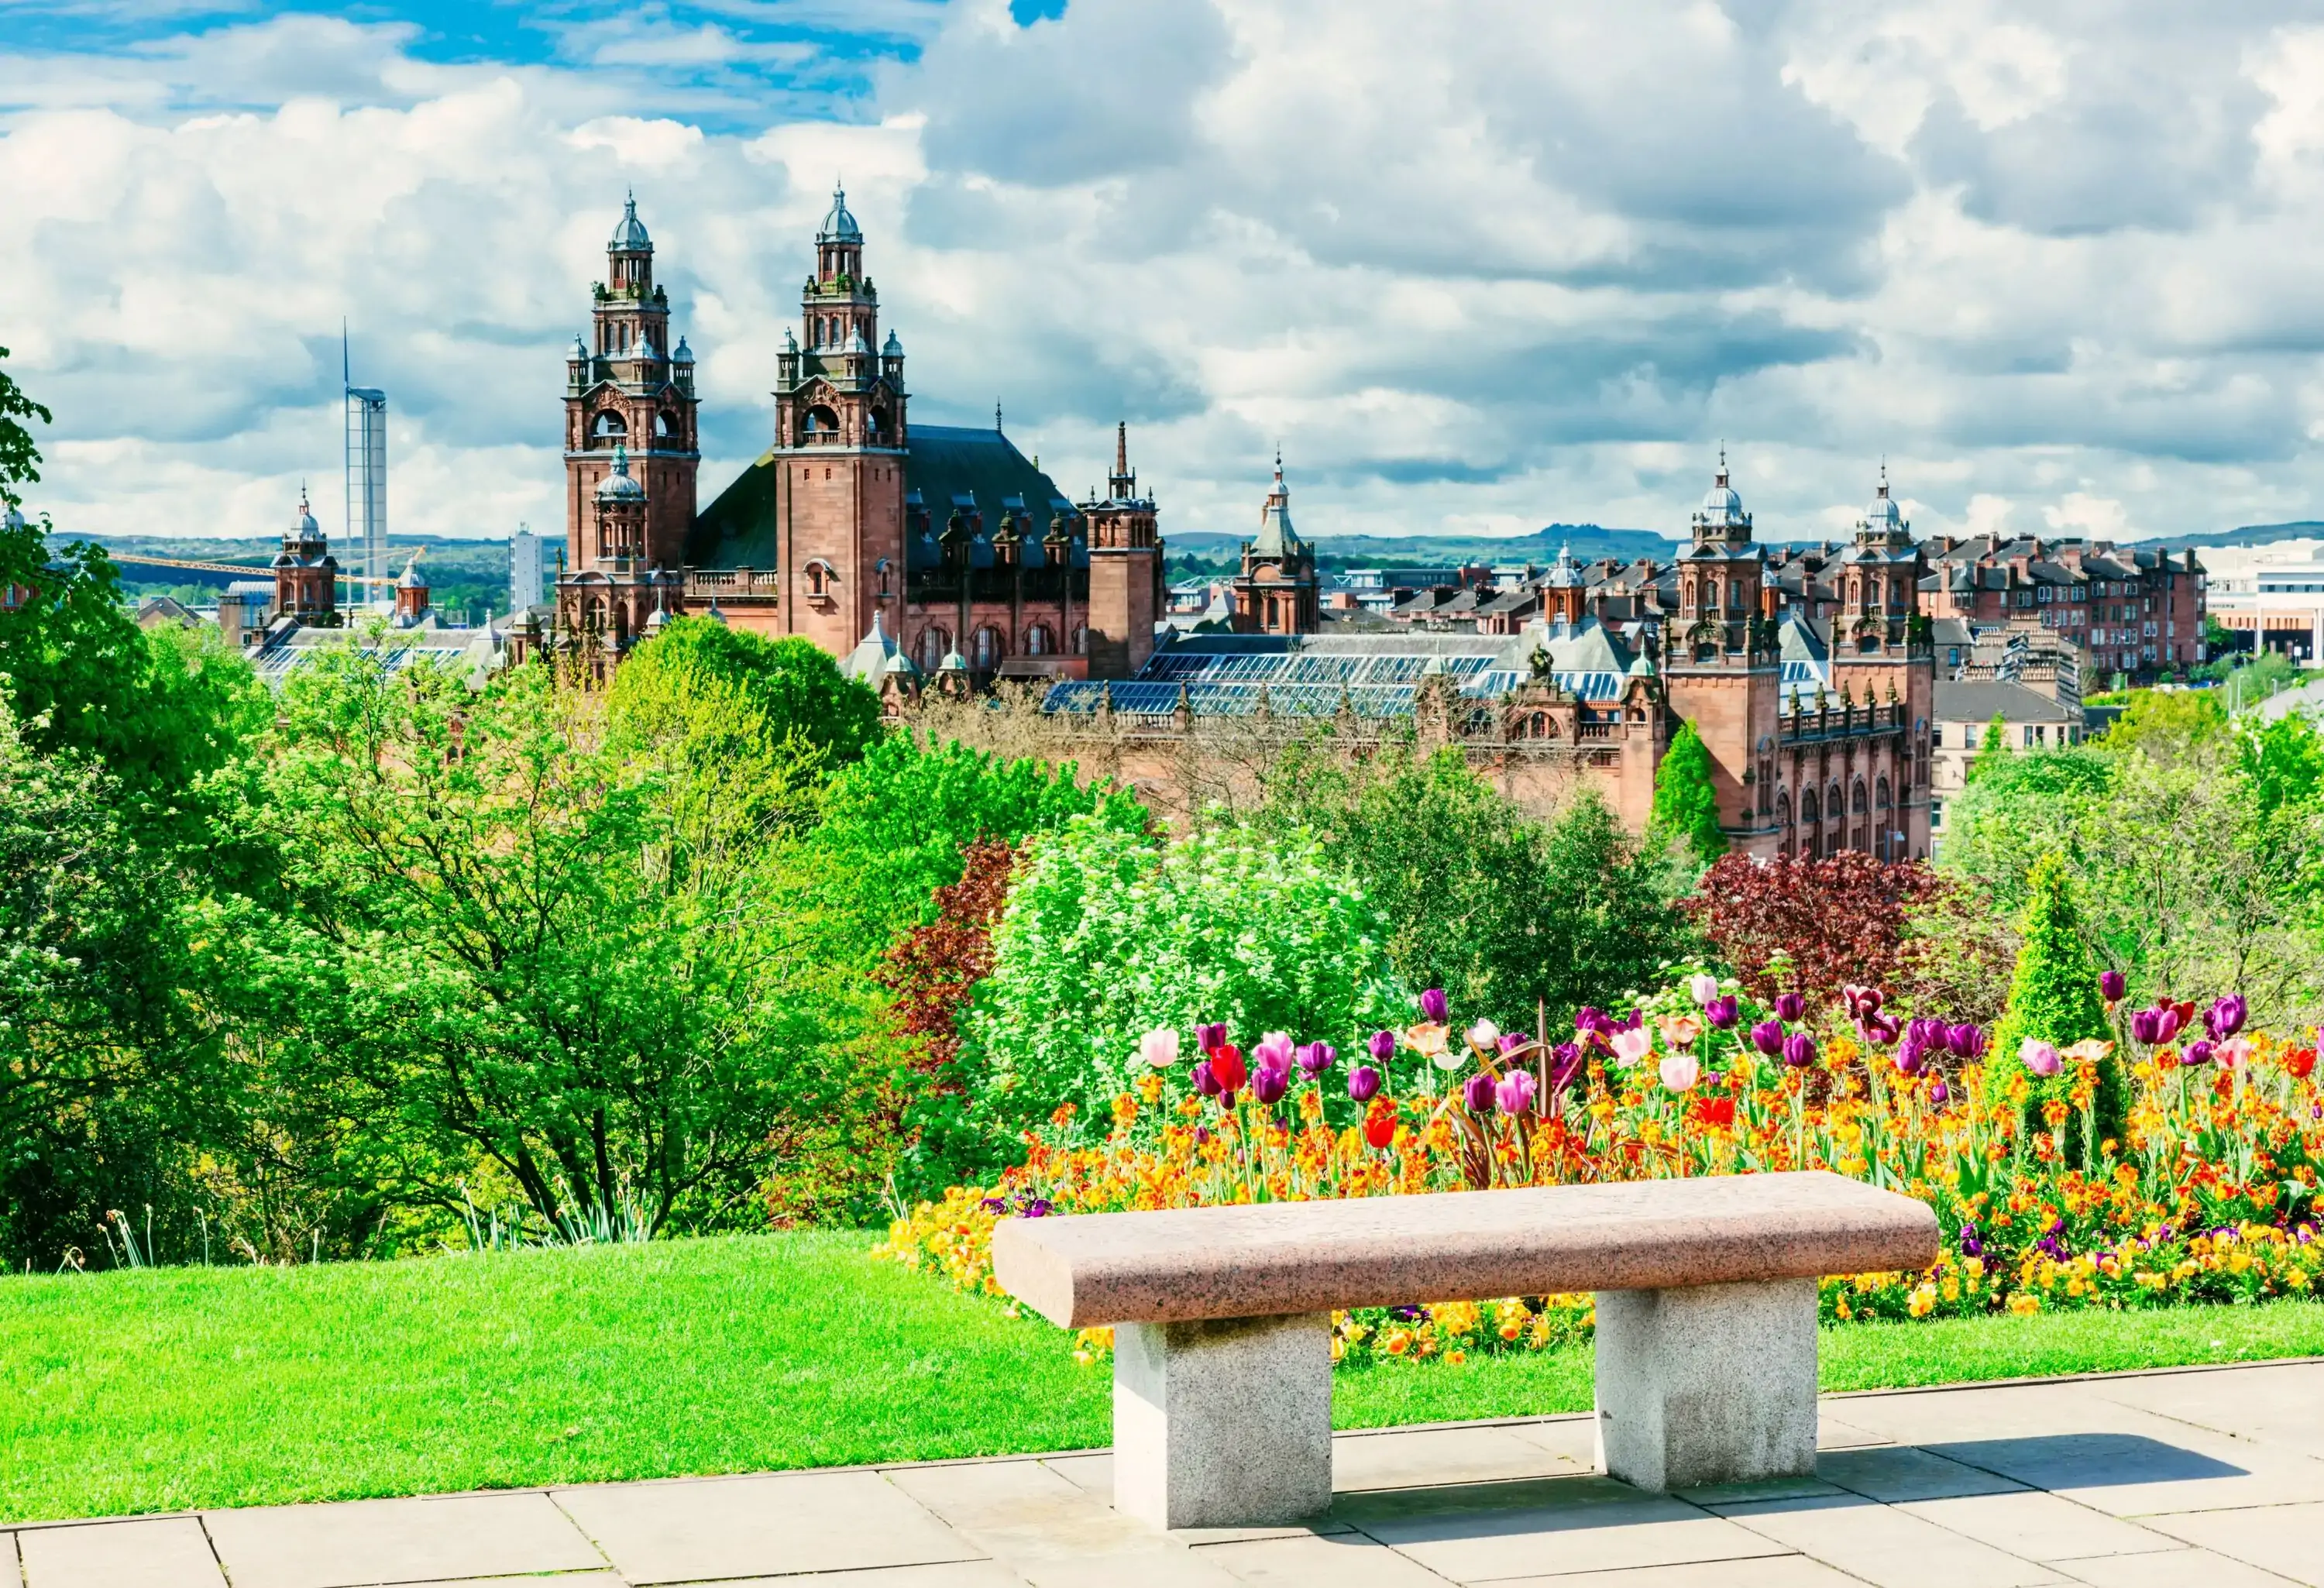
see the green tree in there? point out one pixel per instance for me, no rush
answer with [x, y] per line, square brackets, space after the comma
[20, 457]
[1685, 811]
[498, 933]
[91, 969]
[2169, 725]
[758, 721]
[2054, 998]
[1504, 912]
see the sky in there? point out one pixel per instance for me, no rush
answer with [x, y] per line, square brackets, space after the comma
[1474, 268]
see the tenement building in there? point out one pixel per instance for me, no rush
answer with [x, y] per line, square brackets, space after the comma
[917, 552]
[1816, 719]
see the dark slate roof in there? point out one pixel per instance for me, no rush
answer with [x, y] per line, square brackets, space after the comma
[1981, 701]
[979, 471]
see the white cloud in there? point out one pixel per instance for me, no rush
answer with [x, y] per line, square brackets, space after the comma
[1486, 265]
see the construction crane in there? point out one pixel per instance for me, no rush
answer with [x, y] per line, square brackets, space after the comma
[256, 570]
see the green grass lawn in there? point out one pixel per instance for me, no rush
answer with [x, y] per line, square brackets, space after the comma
[179, 1387]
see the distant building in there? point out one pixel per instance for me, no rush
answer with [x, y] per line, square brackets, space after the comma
[1277, 591]
[2271, 597]
[2133, 610]
[527, 569]
[1966, 711]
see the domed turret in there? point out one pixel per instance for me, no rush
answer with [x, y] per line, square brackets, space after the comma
[839, 226]
[619, 487]
[683, 354]
[629, 235]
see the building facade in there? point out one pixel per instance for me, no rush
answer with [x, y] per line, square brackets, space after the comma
[1277, 591]
[941, 549]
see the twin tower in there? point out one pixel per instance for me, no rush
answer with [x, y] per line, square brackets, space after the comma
[943, 547]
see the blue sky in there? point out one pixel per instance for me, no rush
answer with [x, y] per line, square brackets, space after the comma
[1475, 268]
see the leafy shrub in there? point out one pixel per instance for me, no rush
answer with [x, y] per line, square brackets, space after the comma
[1685, 811]
[2054, 997]
[1110, 935]
[1796, 923]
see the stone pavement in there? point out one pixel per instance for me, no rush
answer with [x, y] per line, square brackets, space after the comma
[2193, 1478]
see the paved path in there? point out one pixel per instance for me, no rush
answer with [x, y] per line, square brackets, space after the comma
[2202, 1479]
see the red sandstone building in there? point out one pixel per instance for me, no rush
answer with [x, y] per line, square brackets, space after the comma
[911, 549]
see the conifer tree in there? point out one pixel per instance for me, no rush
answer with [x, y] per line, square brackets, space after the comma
[2054, 997]
[1686, 807]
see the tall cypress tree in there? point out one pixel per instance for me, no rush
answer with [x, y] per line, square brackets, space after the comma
[2054, 997]
[1686, 807]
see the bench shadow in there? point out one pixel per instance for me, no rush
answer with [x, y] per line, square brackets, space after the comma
[1518, 1505]
[2085, 1461]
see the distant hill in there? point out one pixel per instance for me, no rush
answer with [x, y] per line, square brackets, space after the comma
[463, 574]
[2306, 529]
[1587, 542]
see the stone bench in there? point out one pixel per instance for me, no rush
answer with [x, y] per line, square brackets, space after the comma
[1706, 1290]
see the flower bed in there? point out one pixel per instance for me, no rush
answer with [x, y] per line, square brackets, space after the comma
[2207, 1194]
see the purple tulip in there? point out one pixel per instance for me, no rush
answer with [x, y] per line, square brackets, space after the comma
[1799, 1050]
[1938, 1091]
[1966, 1040]
[1382, 1045]
[1588, 1019]
[2225, 1018]
[2111, 986]
[1477, 1091]
[1432, 1007]
[2147, 1027]
[2167, 1021]
[1877, 1030]
[1316, 1058]
[1908, 1055]
[1513, 1040]
[1206, 1079]
[1212, 1036]
[1790, 1006]
[1363, 1083]
[2198, 1053]
[1722, 1012]
[1515, 1093]
[1768, 1037]
[1565, 1062]
[1269, 1084]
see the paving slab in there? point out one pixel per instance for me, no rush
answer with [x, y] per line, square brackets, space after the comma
[1764, 1571]
[967, 1573]
[1885, 1546]
[2279, 1538]
[1415, 1458]
[1482, 1532]
[775, 1525]
[2039, 1527]
[1346, 1560]
[169, 1552]
[2185, 1568]
[1896, 1474]
[357, 1543]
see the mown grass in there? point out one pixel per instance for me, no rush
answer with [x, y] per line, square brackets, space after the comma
[175, 1388]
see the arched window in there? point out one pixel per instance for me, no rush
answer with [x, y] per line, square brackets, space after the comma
[609, 426]
[1834, 805]
[1784, 810]
[875, 424]
[934, 643]
[1038, 641]
[986, 649]
[1859, 806]
[1811, 808]
[1541, 724]
[1880, 795]
[822, 422]
[1081, 639]
[818, 571]
[665, 425]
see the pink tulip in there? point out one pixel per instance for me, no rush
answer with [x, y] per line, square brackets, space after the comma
[1158, 1048]
[2234, 1051]
[1629, 1046]
[1273, 1052]
[1483, 1036]
[1704, 988]
[1680, 1070]
[2040, 1057]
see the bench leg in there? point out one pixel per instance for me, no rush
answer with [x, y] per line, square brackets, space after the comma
[1225, 1424]
[1709, 1384]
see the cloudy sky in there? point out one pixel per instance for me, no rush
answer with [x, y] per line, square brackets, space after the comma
[1475, 267]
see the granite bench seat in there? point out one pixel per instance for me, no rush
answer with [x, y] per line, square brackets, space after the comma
[1706, 1320]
